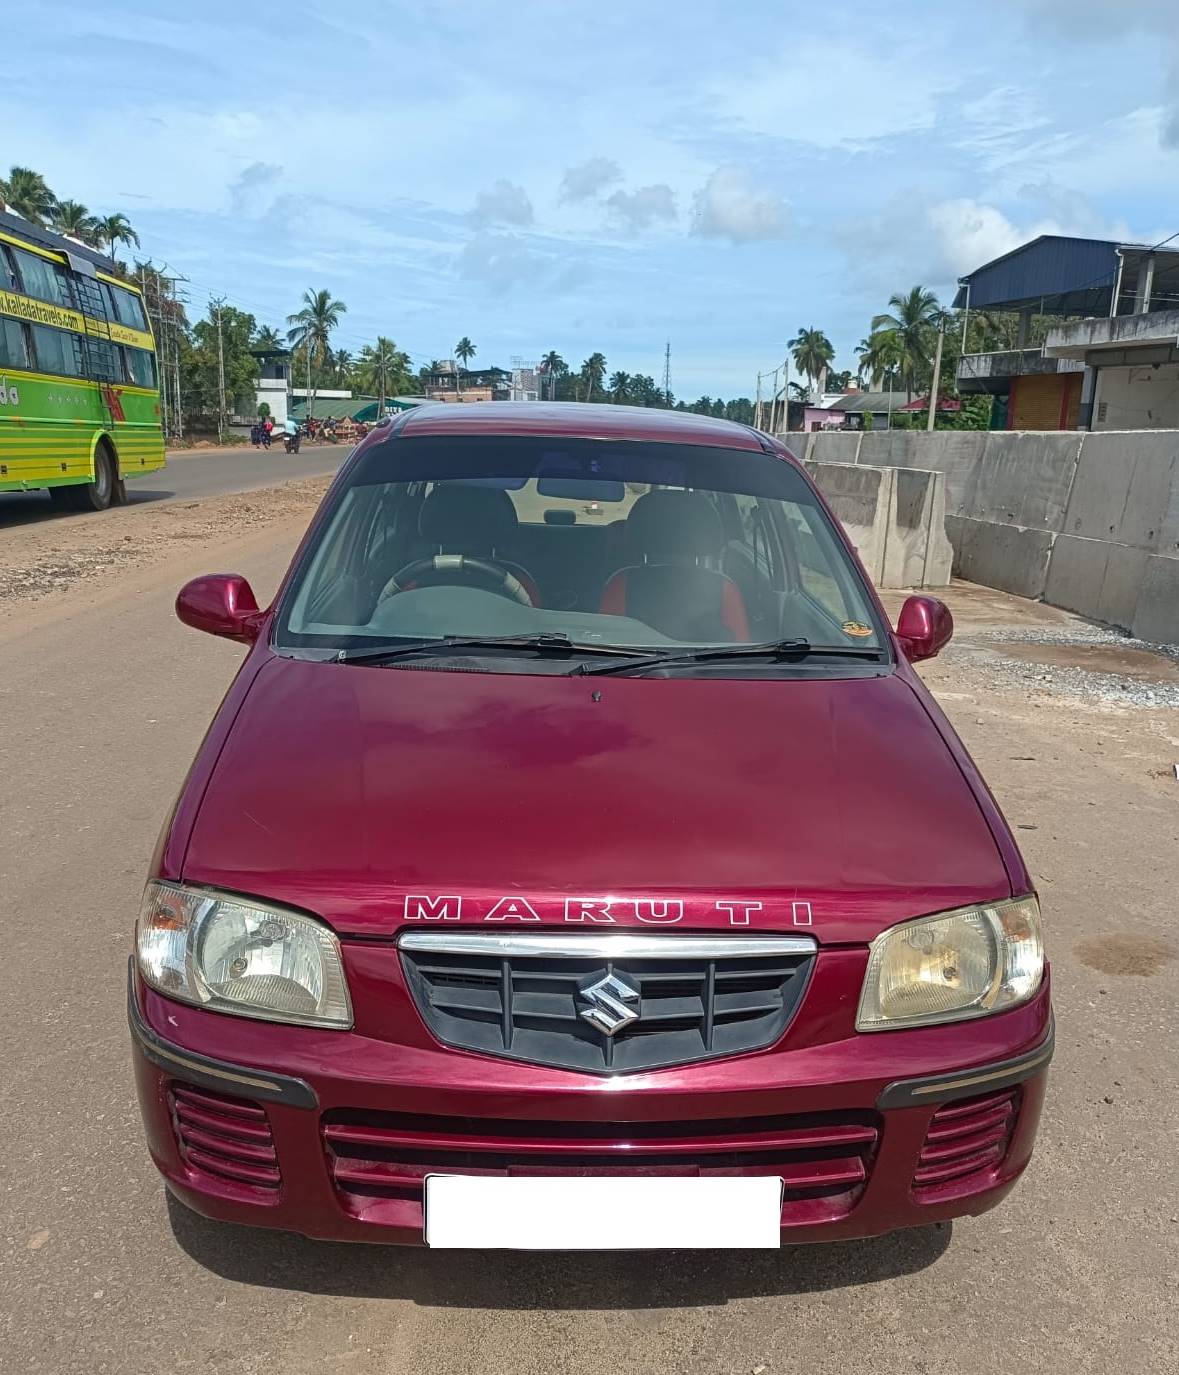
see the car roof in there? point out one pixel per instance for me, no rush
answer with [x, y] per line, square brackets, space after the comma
[572, 419]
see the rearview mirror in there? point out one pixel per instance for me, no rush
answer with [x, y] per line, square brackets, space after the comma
[221, 604]
[924, 627]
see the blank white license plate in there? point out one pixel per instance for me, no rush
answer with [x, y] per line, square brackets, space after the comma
[601, 1213]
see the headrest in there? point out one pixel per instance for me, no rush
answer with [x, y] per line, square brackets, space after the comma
[467, 520]
[664, 527]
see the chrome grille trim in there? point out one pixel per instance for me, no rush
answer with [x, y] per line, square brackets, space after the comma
[614, 946]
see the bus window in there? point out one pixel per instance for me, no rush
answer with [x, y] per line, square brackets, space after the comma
[129, 310]
[106, 361]
[45, 280]
[8, 281]
[14, 346]
[56, 351]
[142, 367]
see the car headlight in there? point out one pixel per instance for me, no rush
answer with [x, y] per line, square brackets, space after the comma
[952, 966]
[230, 955]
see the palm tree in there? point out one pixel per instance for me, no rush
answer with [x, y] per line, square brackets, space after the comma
[913, 321]
[267, 340]
[383, 368]
[878, 355]
[113, 229]
[812, 351]
[69, 217]
[342, 362]
[553, 366]
[311, 329]
[619, 388]
[25, 192]
[592, 372]
[464, 350]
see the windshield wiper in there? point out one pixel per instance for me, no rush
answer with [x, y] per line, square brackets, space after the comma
[773, 650]
[545, 643]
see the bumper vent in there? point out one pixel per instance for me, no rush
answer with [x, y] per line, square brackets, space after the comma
[222, 1136]
[966, 1138]
[622, 1006]
[824, 1160]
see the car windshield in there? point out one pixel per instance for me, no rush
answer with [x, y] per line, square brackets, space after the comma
[634, 545]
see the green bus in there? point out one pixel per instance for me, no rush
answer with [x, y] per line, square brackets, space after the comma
[79, 397]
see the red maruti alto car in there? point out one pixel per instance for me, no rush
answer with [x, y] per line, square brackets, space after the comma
[578, 861]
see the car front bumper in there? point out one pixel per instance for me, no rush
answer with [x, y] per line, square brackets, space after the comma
[330, 1134]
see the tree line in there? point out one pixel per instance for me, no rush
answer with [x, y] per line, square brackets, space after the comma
[26, 192]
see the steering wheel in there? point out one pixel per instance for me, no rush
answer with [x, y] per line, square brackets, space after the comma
[503, 581]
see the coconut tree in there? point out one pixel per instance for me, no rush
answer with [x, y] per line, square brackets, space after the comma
[593, 370]
[267, 340]
[70, 217]
[812, 352]
[24, 191]
[383, 368]
[619, 388]
[913, 320]
[553, 366]
[112, 229]
[311, 330]
[878, 355]
[464, 350]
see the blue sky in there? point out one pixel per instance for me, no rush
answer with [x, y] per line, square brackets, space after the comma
[598, 177]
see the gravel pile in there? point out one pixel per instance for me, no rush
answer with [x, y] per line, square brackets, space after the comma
[1118, 669]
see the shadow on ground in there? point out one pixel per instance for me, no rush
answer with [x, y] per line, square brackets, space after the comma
[511, 1280]
[28, 508]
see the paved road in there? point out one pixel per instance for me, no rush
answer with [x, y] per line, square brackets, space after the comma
[98, 1274]
[200, 473]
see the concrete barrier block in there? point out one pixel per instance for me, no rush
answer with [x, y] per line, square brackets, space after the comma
[1076, 573]
[882, 448]
[1157, 615]
[917, 553]
[1008, 557]
[1125, 572]
[1123, 487]
[1024, 479]
[834, 446]
[862, 499]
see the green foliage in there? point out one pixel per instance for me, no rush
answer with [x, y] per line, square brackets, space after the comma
[263, 409]
[25, 192]
[311, 326]
[912, 325]
[812, 352]
[464, 351]
[199, 376]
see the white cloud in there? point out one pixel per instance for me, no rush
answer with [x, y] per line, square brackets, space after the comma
[252, 191]
[589, 179]
[730, 206]
[503, 203]
[641, 208]
[832, 94]
[500, 262]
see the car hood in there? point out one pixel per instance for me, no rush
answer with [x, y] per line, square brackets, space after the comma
[380, 796]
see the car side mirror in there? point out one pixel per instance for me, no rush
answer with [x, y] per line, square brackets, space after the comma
[924, 627]
[221, 604]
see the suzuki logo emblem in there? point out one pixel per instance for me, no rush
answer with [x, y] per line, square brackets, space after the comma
[611, 1003]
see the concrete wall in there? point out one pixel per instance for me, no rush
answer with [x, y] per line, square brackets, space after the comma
[1088, 522]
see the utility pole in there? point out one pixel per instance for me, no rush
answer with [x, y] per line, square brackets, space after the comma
[381, 406]
[757, 406]
[937, 372]
[667, 374]
[220, 380]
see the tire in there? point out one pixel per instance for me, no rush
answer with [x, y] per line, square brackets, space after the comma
[96, 495]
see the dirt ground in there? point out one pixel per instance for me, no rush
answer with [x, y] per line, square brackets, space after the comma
[105, 697]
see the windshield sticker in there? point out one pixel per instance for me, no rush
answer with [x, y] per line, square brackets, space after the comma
[856, 628]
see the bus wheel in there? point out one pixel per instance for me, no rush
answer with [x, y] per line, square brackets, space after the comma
[96, 495]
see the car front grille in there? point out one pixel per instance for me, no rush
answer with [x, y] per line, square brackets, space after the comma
[606, 1004]
[223, 1136]
[966, 1138]
[823, 1159]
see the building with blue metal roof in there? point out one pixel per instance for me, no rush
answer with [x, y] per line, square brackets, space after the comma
[1091, 281]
